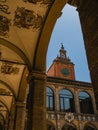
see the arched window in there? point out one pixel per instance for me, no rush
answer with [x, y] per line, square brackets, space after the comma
[68, 127]
[66, 101]
[85, 103]
[49, 99]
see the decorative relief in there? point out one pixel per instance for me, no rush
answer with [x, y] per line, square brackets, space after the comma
[37, 21]
[69, 117]
[26, 18]
[4, 25]
[4, 8]
[86, 118]
[8, 68]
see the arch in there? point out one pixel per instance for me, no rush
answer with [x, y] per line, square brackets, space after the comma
[85, 103]
[66, 100]
[50, 126]
[69, 127]
[17, 50]
[49, 99]
[90, 126]
[43, 40]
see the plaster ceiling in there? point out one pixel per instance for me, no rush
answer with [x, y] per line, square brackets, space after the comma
[25, 31]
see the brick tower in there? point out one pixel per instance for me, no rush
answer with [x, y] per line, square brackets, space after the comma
[62, 67]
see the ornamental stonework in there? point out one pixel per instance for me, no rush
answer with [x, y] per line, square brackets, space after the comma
[4, 8]
[8, 68]
[25, 18]
[69, 117]
[4, 25]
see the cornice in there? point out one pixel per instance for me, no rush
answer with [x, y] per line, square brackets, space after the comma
[37, 75]
[69, 82]
[59, 60]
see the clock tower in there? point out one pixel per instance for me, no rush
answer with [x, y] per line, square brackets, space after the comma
[62, 67]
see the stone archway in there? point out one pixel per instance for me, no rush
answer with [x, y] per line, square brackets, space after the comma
[87, 13]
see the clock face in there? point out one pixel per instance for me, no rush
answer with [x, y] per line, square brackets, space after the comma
[65, 71]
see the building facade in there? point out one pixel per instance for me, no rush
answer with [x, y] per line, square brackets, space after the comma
[70, 103]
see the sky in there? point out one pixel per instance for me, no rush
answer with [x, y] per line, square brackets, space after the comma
[67, 30]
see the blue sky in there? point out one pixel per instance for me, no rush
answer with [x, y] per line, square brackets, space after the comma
[67, 30]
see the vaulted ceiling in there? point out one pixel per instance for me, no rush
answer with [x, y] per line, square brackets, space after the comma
[25, 31]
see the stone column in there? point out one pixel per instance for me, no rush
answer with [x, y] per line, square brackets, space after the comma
[88, 13]
[57, 106]
[76, 99]
[37, 101]
[20, 113]
[93, 102]
[57, 109]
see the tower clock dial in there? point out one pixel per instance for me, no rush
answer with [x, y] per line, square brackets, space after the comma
[65, 71]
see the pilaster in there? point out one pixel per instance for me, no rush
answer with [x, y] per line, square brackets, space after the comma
[76, 98]
[88, 13]
[57, 106]
[37, 101]
[94, 103]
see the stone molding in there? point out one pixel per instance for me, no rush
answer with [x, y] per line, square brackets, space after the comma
[70, 82]
[20, 104]
[37, 75]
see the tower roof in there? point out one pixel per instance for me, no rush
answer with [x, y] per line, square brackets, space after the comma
[62, 57]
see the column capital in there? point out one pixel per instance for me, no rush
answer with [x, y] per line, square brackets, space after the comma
[37, 75]
[20, 104]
